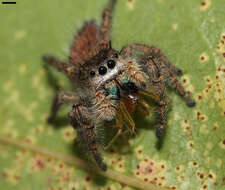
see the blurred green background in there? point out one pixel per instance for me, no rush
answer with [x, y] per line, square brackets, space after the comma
[192, 35]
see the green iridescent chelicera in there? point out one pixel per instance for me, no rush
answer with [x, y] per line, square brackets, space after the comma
[112, 90]
[125, 80]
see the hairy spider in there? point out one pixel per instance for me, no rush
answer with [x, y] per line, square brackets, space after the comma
[111, 84]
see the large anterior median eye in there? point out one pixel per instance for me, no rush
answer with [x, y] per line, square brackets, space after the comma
[102, 70]
[111, 64]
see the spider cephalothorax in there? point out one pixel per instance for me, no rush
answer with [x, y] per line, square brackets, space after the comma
[111, 84]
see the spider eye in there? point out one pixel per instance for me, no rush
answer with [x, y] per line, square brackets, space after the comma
[111, 64]
[92, 73]
[116, 55]
[102, 70]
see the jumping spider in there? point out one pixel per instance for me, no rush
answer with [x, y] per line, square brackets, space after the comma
[111, 84]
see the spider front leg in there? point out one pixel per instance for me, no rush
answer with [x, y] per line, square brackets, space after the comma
[106, 21]
[60, 99]
[151, 50]
[167, 71]
[81, 121]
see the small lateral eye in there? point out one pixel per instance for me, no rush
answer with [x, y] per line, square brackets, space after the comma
[116, 55]
[111, 64]
[92, 73]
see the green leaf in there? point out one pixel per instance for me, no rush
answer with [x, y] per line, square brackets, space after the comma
[192, 155]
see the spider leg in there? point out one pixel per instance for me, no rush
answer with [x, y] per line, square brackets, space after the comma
[61, 66]
[173, 82]
[149, 94]
[165, 69]
[60, 99]
[81, 121]
[159, 96]
[68, 69]
[119, 125]
[160, 71]
[144, 106]
[119, 132]
[151, 50]
[126, 117]
[106, 21]
[159, 89]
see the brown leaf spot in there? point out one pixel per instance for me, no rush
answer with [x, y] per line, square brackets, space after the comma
[38, 163]
[209, 86]
[16, 177]
[191, 145]
[201, 176]
[182, 177]
[202, 118]
[205, 5]
[195, 163]
[88, 179]
[5, 174]
[211, 176]
[61, 166]
[199, 97]
[215, 128]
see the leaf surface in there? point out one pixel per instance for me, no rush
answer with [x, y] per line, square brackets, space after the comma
[192, 35]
